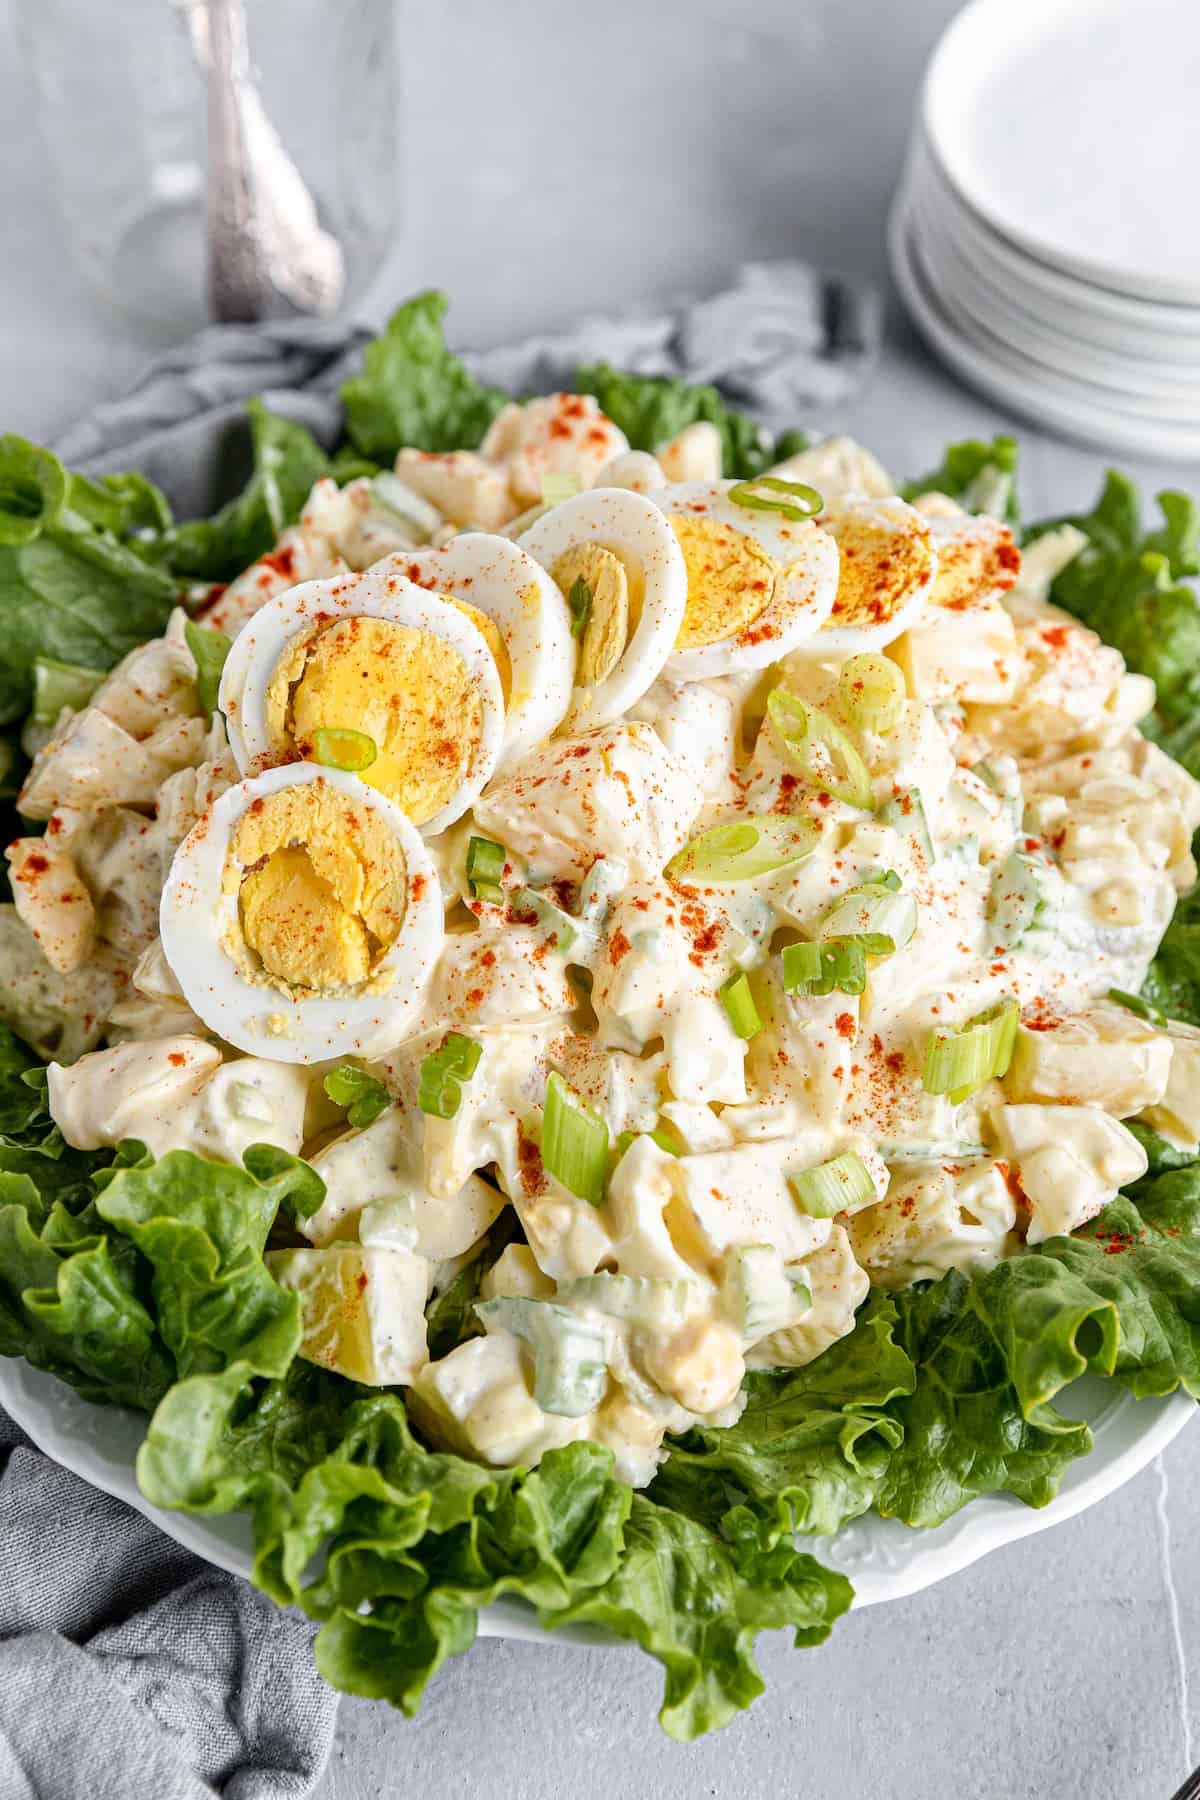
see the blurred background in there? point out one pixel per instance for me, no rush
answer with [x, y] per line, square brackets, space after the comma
[550, 159]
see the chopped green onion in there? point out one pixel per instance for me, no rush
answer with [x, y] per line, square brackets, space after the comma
[871, 692]
[1142, 1008]
[580, 602]
[820, 750]
[958, 1062]
[560, 924]
[58, 684]
[443, 1072]
[905, 813]
[365, 1097]
[802, 502]
[840, 1185]
[485, 866]
[558, 487]
[817, 969]
[887, 878]
[209, 649]
[744, 851]
[574, 1143]
[419, 517]
[660, 1135]
[738, 1001]
[871, 911]
[337, 747]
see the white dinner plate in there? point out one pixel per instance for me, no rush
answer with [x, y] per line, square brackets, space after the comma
[1072, 127]
[884, 1559]
[1077, 410]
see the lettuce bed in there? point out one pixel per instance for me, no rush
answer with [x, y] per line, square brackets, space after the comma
[143, 1283]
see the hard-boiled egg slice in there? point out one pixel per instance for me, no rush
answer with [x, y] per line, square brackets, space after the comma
[977, 560]
[374, 655]
[759, 584]
[525, 620]
[888, 562]
[617, 554]
[302, 917]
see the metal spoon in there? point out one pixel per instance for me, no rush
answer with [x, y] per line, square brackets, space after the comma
[265, 242]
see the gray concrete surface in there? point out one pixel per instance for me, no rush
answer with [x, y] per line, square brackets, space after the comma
[558, 158]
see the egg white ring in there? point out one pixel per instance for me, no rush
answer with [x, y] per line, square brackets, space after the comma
[495, 575]
[195, 914]
[633, 528]
[803, 601]
[382, 592]
[836, 641]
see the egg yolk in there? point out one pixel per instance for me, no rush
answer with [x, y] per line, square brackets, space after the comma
[406, 689]
[611, 604]
[489, 631]
[321, 887]
[981, 560]
[731, 581]
[879, 568]
[293, 921]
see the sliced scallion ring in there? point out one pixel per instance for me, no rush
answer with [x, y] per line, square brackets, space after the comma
[1142, 1009]
[735, 996]
[337, 747]
[871, 911]
[871, 692]
[485, 866]
[559, 486]
[905, 813]
[959, 1062]
[574, 1143]
[443, 1073]
[579, 600]
[802, 502]
[820, 750]
[840, 1185]
[817, 969]
[744, 850]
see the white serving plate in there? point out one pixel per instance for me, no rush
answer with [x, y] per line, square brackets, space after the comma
[884, 1559]
[1071, 126]
[1068, 406]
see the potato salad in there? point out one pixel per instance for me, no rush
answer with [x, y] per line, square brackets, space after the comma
[660, 907]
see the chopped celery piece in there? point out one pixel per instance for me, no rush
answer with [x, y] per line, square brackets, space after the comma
[738, 1001]
[561, 925]
[569, 1353]
[209, 649]
[905, 813]
[574, 1143]
[757, 1293]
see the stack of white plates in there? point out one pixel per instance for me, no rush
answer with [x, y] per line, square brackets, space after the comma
[1044, 236]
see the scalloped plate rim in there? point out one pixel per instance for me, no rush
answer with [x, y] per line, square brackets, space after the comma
[98, 1443]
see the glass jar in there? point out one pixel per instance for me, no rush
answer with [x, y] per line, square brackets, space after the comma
[162, 118]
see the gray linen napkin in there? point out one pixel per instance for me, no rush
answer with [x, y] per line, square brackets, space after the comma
[128, 1667]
